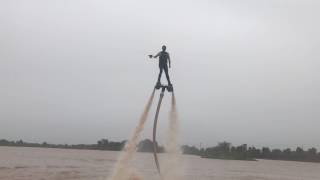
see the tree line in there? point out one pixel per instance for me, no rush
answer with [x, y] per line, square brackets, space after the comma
[223, 150]
[103, 144]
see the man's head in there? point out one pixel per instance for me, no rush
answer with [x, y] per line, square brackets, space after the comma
[164, 48]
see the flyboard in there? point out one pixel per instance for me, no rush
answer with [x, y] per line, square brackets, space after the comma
[163, 88]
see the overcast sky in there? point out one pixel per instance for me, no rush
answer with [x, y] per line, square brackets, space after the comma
[77, 71]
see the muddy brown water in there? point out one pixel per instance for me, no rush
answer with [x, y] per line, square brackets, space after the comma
[23, 163]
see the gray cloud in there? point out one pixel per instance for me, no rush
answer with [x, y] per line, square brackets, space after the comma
[76, 71]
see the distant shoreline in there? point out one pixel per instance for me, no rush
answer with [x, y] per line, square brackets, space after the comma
[229, 158]
[223, 150]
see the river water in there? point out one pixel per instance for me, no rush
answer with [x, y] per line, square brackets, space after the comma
[23, 163]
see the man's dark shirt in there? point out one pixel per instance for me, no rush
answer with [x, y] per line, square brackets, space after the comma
[163, 58]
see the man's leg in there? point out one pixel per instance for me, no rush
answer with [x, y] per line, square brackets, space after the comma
[167, 75]
[160, 73]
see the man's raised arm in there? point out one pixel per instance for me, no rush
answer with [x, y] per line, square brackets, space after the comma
[157, 55]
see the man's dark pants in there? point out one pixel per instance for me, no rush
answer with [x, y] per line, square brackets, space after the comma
[165, 68]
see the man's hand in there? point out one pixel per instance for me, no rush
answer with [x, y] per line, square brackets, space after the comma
[150, 56]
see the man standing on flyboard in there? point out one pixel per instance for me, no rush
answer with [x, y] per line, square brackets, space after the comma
[164, 58]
